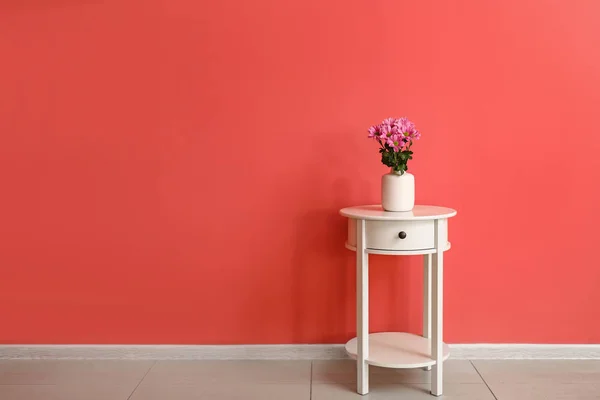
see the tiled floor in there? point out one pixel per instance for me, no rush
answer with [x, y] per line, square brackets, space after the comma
[291, 380]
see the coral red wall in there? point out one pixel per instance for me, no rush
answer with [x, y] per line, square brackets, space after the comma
[171, 171]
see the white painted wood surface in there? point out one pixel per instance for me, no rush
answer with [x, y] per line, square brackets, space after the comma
[481, 351]
[174, 352]
[437, 319]
[385, 235]
[420, 231]
[427, 301]
[362, 309]
[376, 213]
[397, 350]
[400, 252]
[517, 351]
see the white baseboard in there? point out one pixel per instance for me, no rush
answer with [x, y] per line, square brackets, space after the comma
[284, 352]
[525, 351]
[175, 352]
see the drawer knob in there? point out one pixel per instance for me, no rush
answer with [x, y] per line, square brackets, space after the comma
[402, 235]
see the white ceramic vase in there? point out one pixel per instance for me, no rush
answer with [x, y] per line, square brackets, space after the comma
[398, 191]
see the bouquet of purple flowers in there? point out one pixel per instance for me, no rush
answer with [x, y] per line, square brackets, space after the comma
[395, 137]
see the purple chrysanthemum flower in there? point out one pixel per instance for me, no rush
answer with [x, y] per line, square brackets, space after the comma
[395, 141]
[389, 121]
[395, 134]
[374, 131]
[385, 130]
[408, 129]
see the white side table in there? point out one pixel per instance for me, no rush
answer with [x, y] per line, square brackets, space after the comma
[424, 230]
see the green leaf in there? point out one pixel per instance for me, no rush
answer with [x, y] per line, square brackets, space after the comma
[387, 159]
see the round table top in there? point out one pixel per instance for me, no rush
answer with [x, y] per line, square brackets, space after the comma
[376, 213]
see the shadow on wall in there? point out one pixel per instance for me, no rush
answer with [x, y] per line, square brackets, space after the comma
[324, 271]
[324, 277]
[314, 299]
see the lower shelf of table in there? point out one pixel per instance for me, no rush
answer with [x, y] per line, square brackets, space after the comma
[397, 350]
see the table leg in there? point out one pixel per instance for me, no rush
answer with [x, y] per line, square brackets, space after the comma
[438, 299]
[362, 309]
[427, 301]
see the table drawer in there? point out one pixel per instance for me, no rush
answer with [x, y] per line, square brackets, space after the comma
[398, 235]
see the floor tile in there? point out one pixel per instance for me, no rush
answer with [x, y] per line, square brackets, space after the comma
[194, 372]
[223, 391]
[409, 391]
[546, 391]
[291, 380]
[72, 371]
[104, 391]
[344, 371]
[539, 371]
